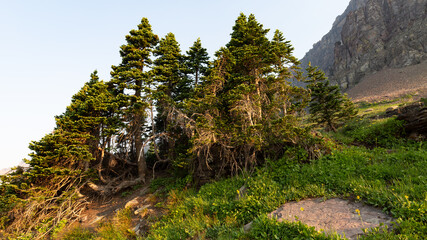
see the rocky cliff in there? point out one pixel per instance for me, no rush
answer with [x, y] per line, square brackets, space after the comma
[372, 35]
[322, 53]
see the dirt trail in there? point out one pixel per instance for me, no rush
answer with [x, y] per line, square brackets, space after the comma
[105, 209]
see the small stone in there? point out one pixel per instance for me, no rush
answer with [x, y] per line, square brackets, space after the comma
[241, 192]
[132, 203]
[136, 229]
[248, 227]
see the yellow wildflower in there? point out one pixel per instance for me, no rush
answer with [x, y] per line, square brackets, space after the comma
[357, 211]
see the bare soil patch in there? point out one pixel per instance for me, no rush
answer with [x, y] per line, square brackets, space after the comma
[391, 83]
[333, 215]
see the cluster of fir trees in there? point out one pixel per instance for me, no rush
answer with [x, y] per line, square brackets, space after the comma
[207, 118]
[98, 141]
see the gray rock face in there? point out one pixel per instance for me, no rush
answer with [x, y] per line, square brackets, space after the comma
[374, 34]
[322, 53]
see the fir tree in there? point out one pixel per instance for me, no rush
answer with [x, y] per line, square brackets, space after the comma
[172, 87]
[80, 132]
[197, 61]
[131, 84]
[169, 70]
[62, 162]
[328, 106]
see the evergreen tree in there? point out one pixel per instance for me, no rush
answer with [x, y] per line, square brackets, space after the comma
[349, 111]
[169, 71]
[197, 61]
[249, 107]
[327, 106]
[93, 112]
[131, 84]
[62, 162]
[172, 88]
[84, 128]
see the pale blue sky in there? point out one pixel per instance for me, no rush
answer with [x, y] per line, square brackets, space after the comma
[49, 48]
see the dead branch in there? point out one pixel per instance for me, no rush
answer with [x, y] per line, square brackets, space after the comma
[126, 184]
[100, 189]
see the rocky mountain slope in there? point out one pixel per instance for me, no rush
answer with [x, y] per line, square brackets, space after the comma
[372, 35]
[391, 83]
[322, 53]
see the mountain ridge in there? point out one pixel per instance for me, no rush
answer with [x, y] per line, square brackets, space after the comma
[373, 35]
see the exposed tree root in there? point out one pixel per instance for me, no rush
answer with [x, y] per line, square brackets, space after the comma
[41, 213]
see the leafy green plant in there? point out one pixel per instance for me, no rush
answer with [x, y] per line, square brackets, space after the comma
[268, 228]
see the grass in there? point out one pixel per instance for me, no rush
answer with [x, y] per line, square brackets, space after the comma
[372, 133]
[372, 160]
[371, 109]
[118, 228]
[393, 181]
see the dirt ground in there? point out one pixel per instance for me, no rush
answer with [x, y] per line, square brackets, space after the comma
[105, 209]
[334, 215]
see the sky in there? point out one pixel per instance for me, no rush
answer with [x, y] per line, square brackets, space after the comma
[48, 49]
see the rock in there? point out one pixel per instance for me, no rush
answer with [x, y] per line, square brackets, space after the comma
[415, 117]
[133, 203]
[248, 227]
[369, 36]
[97, 219]
[322, 53]
[392, 108]
[392, 111]
[241, 192]
[333, 215]
[137, 229]
[375, 36]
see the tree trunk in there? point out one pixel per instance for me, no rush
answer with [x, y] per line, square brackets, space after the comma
[138, 119]
[197, 78]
